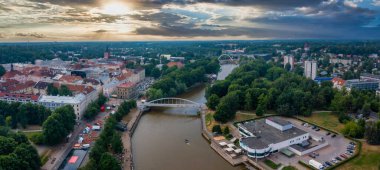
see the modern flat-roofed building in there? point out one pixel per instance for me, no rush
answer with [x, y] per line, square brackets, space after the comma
[265, 136]
[289, 59]
[362, 84]
[78, 102]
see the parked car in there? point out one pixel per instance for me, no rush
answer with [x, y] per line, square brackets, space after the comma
[312, 155]
[353, 143]
[315, 153]
[313, 127]
[343, 156]
[328, 133]
[328, 163]
[317, 129]
[338, 158]
[333, 136]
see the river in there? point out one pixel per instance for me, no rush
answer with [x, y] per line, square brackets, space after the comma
[159, 139]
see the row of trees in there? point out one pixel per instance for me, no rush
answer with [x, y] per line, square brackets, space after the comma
[57, 126]
[16, 152]
[175, 81]
[361, 128]
[257, 85]
[109, 142]
[94, 107]
[15, 113]
[62, 91]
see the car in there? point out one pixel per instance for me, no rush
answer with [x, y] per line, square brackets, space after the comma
[328, 163]
[352, 143]
[315, 153]
[343, 156]
[312, 155]
[334, 160]
[333, 136]
[303, 124]
[325, 164]
[328, 133]
[317, 129]
[338, 158]
[313, 127]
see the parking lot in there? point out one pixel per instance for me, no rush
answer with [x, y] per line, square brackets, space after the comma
[337, 147]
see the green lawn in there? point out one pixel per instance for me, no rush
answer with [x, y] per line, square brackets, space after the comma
[289, 168]
[325, 119]
[30, 134]
[271, 164]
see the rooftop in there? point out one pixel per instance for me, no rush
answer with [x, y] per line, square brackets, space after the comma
[266, 134]
[126, 85]
[63, 99]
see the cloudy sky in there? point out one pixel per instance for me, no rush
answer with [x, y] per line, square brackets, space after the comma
[136, 20]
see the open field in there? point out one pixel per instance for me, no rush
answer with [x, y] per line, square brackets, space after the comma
[325, 119]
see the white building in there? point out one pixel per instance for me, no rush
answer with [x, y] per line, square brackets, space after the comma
[289, 59]
[310, 69]
[78, 102]
[265, 136]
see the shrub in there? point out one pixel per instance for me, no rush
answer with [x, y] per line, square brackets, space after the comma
[271, 164]
[216, 129]
[37, 138]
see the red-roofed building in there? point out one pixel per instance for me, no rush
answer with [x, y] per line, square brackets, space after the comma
[70, 79]
[23, 98]
[126, 91]
[338, 82]
[178, 64]
[23, 88]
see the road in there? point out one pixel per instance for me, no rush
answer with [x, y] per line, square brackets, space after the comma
[58, 155]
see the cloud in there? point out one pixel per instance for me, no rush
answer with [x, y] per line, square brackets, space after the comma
[376, 2]
[32, 35]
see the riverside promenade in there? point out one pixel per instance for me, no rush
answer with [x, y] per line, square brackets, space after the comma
[134, 117]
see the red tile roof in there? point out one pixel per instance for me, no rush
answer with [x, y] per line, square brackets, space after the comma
[172, 64]
[70, 79]
[19, 96]
[339, 81]
[18, 87]
[126, 85]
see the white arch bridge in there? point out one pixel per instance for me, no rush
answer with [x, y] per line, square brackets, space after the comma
[170, 102]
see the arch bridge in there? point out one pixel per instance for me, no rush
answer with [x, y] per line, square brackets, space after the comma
[170, 102]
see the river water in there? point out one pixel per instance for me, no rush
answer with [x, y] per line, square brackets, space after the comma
[159, 139]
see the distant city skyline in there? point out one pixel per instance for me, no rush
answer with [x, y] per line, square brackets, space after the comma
[152, 20]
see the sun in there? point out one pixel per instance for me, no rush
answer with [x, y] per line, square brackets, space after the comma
[115, 8]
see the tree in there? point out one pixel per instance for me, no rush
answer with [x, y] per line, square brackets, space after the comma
[213, 101]
[64, 91]
[53, 130]
[226, 131]
[2, 71]
[226, 109]
[217, 129]
[156, 73]
[116, 143]
[29, 155]
[7, 145]
[352, 129]
[107, 161]
[52, 90]
[372, 132]
[260, 111]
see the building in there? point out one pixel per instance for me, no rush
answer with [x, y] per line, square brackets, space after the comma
[366, 76]
[338, 82]
[289, 59]
[362, 84]
[126, 91]
[22, 98]
[310, 69]
[265, 136]
[40, 88]
[345, 62]
[78, 102]
[107, 53]
[172, 64]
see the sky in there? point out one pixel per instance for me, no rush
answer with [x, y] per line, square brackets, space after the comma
[155, 20]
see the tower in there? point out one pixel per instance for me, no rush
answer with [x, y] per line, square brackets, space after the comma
[310, 69]
[289, 59]
[107, 53]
